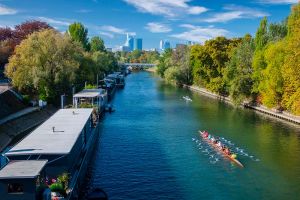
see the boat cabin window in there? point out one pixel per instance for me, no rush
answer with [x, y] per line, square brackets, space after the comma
[15, 188]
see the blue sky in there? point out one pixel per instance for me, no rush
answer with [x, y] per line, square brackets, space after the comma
[175, 20]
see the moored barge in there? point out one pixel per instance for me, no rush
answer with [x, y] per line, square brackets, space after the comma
[51, 162]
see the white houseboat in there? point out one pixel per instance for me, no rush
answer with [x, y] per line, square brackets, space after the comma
[61, 145]
[92, 97]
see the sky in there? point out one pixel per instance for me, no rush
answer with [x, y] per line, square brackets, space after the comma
[178, 21]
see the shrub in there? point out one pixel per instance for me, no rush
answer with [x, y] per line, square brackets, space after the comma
[58, 187]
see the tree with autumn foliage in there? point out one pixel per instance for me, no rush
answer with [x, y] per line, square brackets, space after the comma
[10, 38]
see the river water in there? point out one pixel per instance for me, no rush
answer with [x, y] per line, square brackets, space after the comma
[149, 148]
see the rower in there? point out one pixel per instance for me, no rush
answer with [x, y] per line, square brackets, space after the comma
[219, 143]
[213, 140]
[227, 151]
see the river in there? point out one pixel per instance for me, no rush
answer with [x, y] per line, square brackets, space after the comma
[149, 148]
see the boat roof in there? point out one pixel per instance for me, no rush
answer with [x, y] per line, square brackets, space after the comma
[22, 169]
[112, 76]
[90, 93]
[67, 123]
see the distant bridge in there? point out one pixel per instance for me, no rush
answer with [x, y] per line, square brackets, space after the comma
[138, 65]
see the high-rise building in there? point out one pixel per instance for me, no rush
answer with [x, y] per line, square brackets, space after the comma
[167, 45]
[138, 44]
[161, 45]
[124, 48]
[164, 44]
[129, 42]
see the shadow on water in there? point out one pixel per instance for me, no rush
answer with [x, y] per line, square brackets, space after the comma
[129, 162]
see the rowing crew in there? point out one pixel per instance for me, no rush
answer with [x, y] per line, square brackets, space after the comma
[219, 145]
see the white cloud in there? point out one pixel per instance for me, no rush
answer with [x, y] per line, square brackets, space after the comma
[113, 29]
[116, 30]
[110, 35]
[54, 21]
[278, 1]
[167, 8]
[155, 27]
[7, 11]
[236, 12]
[83, 11]
[199, 33]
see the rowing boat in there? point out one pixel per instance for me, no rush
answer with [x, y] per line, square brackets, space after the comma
[220, 150]
[187, 98]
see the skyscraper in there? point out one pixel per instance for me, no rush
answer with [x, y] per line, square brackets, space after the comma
[129, 42]
[167, 45]
[138, 44]
[164, 44]
[161, 45]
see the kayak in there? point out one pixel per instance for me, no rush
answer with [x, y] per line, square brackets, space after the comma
[187, 98]
[218, 149]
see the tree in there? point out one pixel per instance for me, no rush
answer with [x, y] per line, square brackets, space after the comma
[6, 49]
[271, 85]
[10, 38]
[259, 64]
[26, 28]
[291, 67]
[211, 61]
[201, 63]
[261, 37]
[104, 63]
[97, 44]
[164, 62]
[181, 60]
[6, 33]
[239, 70]
[45, 64]
[277, 31]
[79, 33]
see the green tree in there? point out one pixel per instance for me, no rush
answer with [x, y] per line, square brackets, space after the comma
[277, 31]
[271, 85]
[97, 44]
[239, 70]
[79, 33]
[259, 64]
[201, 63]
[261, 37]
[212, 61]
[181, 60]
[104, 63]
[291, 67]
[45, 64]
[164, 62]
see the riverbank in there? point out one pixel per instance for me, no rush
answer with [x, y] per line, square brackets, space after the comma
[262, 109]
[151, 69]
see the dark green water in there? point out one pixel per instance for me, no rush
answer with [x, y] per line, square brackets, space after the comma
[150, 149]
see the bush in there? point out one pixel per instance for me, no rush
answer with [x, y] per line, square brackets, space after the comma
[89, 86]
[58, 187]
[26, 99]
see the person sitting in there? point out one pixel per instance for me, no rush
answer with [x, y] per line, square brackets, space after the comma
[213, 140]
[227, 151]
[233, 156]
[219, 144]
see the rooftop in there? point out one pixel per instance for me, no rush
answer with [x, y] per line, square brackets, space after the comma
[89, 93]
[22, 169]
[67, 125]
